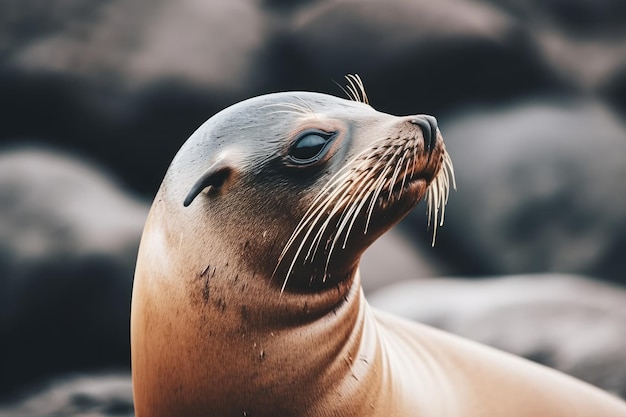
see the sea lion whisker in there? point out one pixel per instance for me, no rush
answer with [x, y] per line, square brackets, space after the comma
[326, 197]
[380, 183]
[353, 94]
[291, 108]
[366, 99]
[414, 159]
[446, 182]
[396, 172]
[346, 215]
[300, 228]
[436, 201]
[283, 112]
[312, 217]
[438, 193]
[305, 238]
[346, 203]
[444, 198]
[336, 207]
[450, 167]
[286, 248]
[352, 210]
[344, 90]
[361, 188]
[405, 172]
[389, 161]
[446, 174]
[439, 208]
[357, 86]
[307, 105]
[339, 178]
[363, 200]
[317, 205]
[293, 261]
[354, 195]
[336, 181]
[429, 200]
[320, 205]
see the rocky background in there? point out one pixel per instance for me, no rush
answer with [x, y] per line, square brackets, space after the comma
[96, 97]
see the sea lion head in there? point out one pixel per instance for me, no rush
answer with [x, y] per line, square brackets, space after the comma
[294, 186]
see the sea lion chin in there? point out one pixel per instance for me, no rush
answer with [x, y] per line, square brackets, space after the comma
[247, 298]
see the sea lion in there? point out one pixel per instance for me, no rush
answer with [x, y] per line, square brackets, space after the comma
[247, 300]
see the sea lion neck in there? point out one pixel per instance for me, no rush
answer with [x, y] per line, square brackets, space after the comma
[245, 347]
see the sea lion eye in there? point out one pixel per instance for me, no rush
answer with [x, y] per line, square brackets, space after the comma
[310, 147]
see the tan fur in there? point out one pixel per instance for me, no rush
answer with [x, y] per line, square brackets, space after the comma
[222, 326]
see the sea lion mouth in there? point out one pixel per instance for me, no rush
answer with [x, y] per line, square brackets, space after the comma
[411, 181]
[405, 188]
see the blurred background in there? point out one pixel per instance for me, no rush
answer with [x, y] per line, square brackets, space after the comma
[96, 98]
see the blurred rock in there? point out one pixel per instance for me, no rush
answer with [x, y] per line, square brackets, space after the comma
[68, 242]
[584, 61]
[584, 41]
[125, 81]
[614, 89]
[416, 56]
[566, 322]
[134, 43]
[96, 395]
[541, 188]
[575, 16]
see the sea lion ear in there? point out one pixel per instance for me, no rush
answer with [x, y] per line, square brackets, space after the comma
[214, 177]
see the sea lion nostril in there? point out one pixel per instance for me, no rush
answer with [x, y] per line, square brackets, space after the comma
[428, 124]
[432, 121]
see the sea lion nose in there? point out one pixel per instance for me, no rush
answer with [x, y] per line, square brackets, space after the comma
[428, 124]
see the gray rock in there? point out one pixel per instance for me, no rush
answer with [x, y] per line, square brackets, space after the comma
[541, 188]
[95, 395]
[417, 56]
[68, 242]
[134, 78]
[579, 16]
[131, 43]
